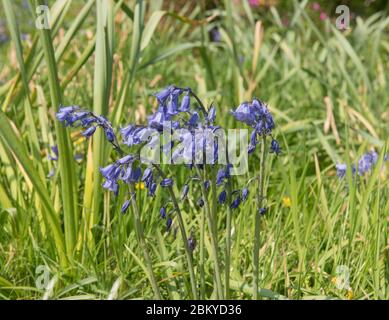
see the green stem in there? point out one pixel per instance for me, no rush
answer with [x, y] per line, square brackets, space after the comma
[202, 255]
[188, 252]
[228, 241]
[211, 226]
[260, 197]
[142, 243]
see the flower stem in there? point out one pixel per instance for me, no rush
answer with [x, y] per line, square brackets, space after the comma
[228, 241]
[260, 198]
[142, 242]
[188, 252]
[211, 214]
[202, 255]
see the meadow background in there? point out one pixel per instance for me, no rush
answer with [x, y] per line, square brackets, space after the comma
[327, 89]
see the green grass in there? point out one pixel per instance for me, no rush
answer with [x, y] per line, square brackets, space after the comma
[327, 89]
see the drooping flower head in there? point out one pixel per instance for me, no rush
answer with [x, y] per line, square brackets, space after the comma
[257, 115]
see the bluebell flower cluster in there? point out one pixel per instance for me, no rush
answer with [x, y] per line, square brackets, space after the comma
[176, 112]
[180, 112]
[74, 116]
[366, 164]
[257, 115]
[126, 169]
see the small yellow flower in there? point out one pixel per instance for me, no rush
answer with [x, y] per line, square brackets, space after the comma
[139, 186]
[334, 280]
[286, 202]
[350, 294]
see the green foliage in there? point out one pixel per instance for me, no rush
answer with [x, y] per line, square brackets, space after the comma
[328, 90]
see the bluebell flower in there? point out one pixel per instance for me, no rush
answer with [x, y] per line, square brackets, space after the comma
[245, 193]
[73, 116]
[109, 172]
[244, 113]
[185, 104]
[87, 121]
[152, 189]
[167, 182]
[111, 185]
[172, 105]
[163, 95]
[192, 242]
[366, 162]
[211, 114]
[207, 183]
[126, 159]
[185, 191]
[262, 211]
[110, 135]
[147, 174]
[222, 197]
[235, 204]
[341, 170]
[215, 35]
[125, 206]
[221, 173]
[54, 149]
[275, 147]
[89, 132]
[158, 119]
[162, 212]
[64, 114]
[256, 115]
[169, 222]
[253, 142]
[136, 174]
[193, 119]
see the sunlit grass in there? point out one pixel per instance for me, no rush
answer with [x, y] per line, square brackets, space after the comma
[327, 89]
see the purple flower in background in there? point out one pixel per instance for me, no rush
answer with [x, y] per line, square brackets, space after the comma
[315, 6]
[323, 16]
[55, 151]
[366, 164]
[215, 35]
[254, 3]
[341, 169]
